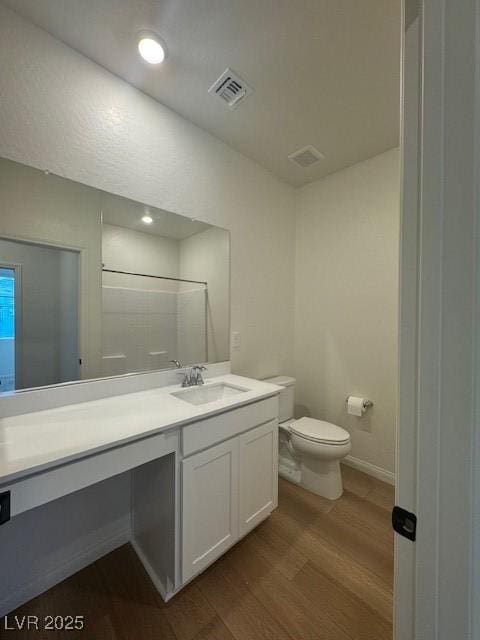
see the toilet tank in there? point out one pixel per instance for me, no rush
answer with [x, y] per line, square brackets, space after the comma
[287, 396]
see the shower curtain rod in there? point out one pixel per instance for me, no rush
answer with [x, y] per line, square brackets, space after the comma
[146, 275]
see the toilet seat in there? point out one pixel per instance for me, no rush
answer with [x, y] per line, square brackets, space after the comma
[319, 431]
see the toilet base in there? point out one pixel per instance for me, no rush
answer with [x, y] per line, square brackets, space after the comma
[289, 471]
[322, 477]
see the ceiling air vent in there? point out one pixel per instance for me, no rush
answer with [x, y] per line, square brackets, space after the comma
[306, 156]
[230, 88]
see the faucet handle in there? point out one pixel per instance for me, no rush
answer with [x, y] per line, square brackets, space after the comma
[197, 373]
[187, 376]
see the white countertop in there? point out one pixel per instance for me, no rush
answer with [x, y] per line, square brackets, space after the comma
[33, 442]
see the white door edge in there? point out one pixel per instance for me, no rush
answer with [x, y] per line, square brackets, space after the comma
[436, 584]
[406, 449]
[475, 585]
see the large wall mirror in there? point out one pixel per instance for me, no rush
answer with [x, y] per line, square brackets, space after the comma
[94, 285]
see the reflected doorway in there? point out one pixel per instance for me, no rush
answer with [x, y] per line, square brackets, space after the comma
[39, 315]
[10, 323]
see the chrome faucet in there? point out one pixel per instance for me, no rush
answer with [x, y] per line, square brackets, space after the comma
[193, 376]
[196, 374]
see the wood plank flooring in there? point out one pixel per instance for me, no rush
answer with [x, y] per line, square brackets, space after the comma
[315, 570]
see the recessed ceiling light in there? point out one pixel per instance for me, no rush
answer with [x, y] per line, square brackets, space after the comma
[151, 48]
[147, 219]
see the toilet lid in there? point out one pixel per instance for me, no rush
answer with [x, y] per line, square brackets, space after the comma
[320, 431]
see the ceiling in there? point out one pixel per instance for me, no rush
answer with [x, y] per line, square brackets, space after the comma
[324, 72]
[123, 212]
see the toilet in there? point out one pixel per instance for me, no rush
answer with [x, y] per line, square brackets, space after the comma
[310, 450]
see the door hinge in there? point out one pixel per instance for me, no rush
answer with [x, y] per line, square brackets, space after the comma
[404, 523]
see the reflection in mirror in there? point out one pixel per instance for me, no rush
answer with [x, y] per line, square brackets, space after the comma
[38, 315]
[165, 288]
[92, 284]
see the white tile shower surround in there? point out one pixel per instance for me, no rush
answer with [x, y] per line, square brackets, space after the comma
[143, 329]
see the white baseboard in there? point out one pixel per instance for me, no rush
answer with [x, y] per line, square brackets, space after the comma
[85, 557]
[370, 469]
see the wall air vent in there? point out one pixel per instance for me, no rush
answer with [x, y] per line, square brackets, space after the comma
[306, 156]
[230, 88]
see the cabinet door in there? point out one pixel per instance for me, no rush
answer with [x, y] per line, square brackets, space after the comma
[258, 475]
[210, 505]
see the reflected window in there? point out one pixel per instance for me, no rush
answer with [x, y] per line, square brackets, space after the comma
[7, 329]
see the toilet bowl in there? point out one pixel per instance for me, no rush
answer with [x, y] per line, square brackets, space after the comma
[320, 446]
[310, 450]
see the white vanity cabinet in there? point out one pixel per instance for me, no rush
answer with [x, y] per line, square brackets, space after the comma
[258, 475]
[210, 505]
[229, 488]
[192, 480]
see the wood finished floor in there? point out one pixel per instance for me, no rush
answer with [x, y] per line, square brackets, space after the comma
[315, 570]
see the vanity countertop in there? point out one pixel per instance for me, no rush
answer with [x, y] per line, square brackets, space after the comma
[33, 442]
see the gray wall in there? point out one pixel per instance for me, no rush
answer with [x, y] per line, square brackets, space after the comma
[49, 310]
[346, 294]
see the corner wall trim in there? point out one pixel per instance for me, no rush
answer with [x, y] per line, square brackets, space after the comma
[370, 469]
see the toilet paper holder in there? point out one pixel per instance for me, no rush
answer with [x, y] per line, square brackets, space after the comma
[366, 403]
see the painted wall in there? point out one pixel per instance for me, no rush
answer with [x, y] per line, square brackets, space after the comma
[81, 122]
[206, 256]
[346, 302]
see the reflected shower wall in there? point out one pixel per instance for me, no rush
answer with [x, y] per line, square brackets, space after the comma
[192, 336]
[148, 321]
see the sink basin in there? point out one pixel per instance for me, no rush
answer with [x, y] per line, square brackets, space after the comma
[208, 393]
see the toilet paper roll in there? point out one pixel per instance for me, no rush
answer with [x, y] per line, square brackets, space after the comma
[355, 406]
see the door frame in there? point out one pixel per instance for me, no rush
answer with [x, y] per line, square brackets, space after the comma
[17, 269]
[83, 299]
[475, 584]
[434, 580]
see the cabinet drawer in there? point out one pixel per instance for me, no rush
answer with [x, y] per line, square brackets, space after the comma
[207, 432]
